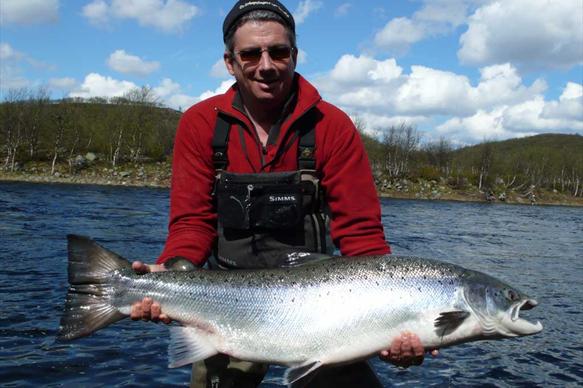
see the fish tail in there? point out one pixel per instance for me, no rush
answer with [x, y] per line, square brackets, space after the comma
[88, 305]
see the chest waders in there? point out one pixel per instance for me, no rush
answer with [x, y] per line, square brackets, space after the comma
[268, 220]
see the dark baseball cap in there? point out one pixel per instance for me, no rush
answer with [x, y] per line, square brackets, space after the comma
[245, 6]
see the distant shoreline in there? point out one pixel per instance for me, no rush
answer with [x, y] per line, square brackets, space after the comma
[157, 175]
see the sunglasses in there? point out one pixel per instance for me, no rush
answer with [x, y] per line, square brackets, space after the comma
[276, 53]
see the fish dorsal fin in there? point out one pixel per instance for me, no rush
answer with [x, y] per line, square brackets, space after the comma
[448, 321]
[187, 345]
[298, 372]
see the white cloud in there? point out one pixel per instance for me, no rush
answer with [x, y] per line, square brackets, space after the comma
[13, 64]
[342, 9]
[434, 18]
[223, 87]
[7, 53]
[97, 12]
[11, 78]
[478, 127]
[499, 104]
[10, 71]
[364, 82]
[449, 12]
[399, 33]
[65, 84]
[219, 70]
[302, 56]
[527, 33]
[351, 69]
[29, 11]
[181, 101]
[525, 118]
[167, 88]
[305, 8]
[97, 85]
[165, 15]
[125, 63]
[570, 104]
[171, 94]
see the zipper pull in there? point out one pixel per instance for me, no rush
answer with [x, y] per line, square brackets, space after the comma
[250, 188]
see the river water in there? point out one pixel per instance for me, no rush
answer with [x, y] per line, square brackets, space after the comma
[537, 249]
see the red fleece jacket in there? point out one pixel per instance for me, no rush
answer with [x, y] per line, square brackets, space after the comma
[341, 160]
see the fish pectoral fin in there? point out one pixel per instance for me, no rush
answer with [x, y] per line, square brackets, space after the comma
[187, 346]
[301, 371]
[448, 321]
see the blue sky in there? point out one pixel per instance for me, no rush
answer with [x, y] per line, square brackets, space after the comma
[465, 70]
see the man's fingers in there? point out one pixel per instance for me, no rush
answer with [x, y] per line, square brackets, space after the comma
[165, 318]
[155, 312]
[434, 353]
[395, 350]
[146, 309]
[406, 355]
[140, 268]
[136, 312]
[406, 347]
[417, 346]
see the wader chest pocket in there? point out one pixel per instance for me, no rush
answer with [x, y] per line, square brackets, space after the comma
[250, 201]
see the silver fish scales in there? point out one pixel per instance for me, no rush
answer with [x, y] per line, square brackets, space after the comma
[329, 312]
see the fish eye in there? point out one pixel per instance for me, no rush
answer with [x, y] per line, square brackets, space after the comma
[512, 295]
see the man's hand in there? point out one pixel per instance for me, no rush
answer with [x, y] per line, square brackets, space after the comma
[405, 351]
[147, 309]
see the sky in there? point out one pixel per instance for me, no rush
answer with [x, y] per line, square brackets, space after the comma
[462, 70]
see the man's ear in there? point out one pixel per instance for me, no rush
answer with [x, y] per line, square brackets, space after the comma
[228, 58]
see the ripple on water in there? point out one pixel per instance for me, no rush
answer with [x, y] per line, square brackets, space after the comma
[534, 248]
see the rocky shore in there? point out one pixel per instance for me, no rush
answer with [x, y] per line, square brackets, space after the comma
[151, 174]
[440, 190]
[157, 174]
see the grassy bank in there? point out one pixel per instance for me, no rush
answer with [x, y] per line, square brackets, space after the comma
[157, 174]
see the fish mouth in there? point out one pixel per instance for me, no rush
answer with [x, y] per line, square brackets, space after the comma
[518, 326]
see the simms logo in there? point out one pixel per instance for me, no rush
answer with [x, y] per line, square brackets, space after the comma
[282, 198]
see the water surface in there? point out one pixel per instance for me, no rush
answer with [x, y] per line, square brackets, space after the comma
[537, 249]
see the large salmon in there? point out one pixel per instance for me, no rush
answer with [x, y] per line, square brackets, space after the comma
[329, 312]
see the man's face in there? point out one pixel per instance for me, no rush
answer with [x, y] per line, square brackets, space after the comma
[264, 78]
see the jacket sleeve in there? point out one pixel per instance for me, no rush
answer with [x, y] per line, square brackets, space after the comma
[192, 225]
[356, 227]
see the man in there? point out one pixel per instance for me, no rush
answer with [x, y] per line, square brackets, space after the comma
[261, 172]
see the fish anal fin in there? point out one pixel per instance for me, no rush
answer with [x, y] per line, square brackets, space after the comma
[302, 371]
[187, 345]
[448, 321]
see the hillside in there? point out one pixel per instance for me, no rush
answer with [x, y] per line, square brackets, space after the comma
[548, 143]
[129, 141]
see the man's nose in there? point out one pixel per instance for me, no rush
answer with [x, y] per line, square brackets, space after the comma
[266, 63]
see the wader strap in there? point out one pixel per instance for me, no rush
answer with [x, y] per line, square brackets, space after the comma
[219, 144]
[306, 146]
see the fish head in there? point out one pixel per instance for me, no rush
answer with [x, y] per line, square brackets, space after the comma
[498, 307]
